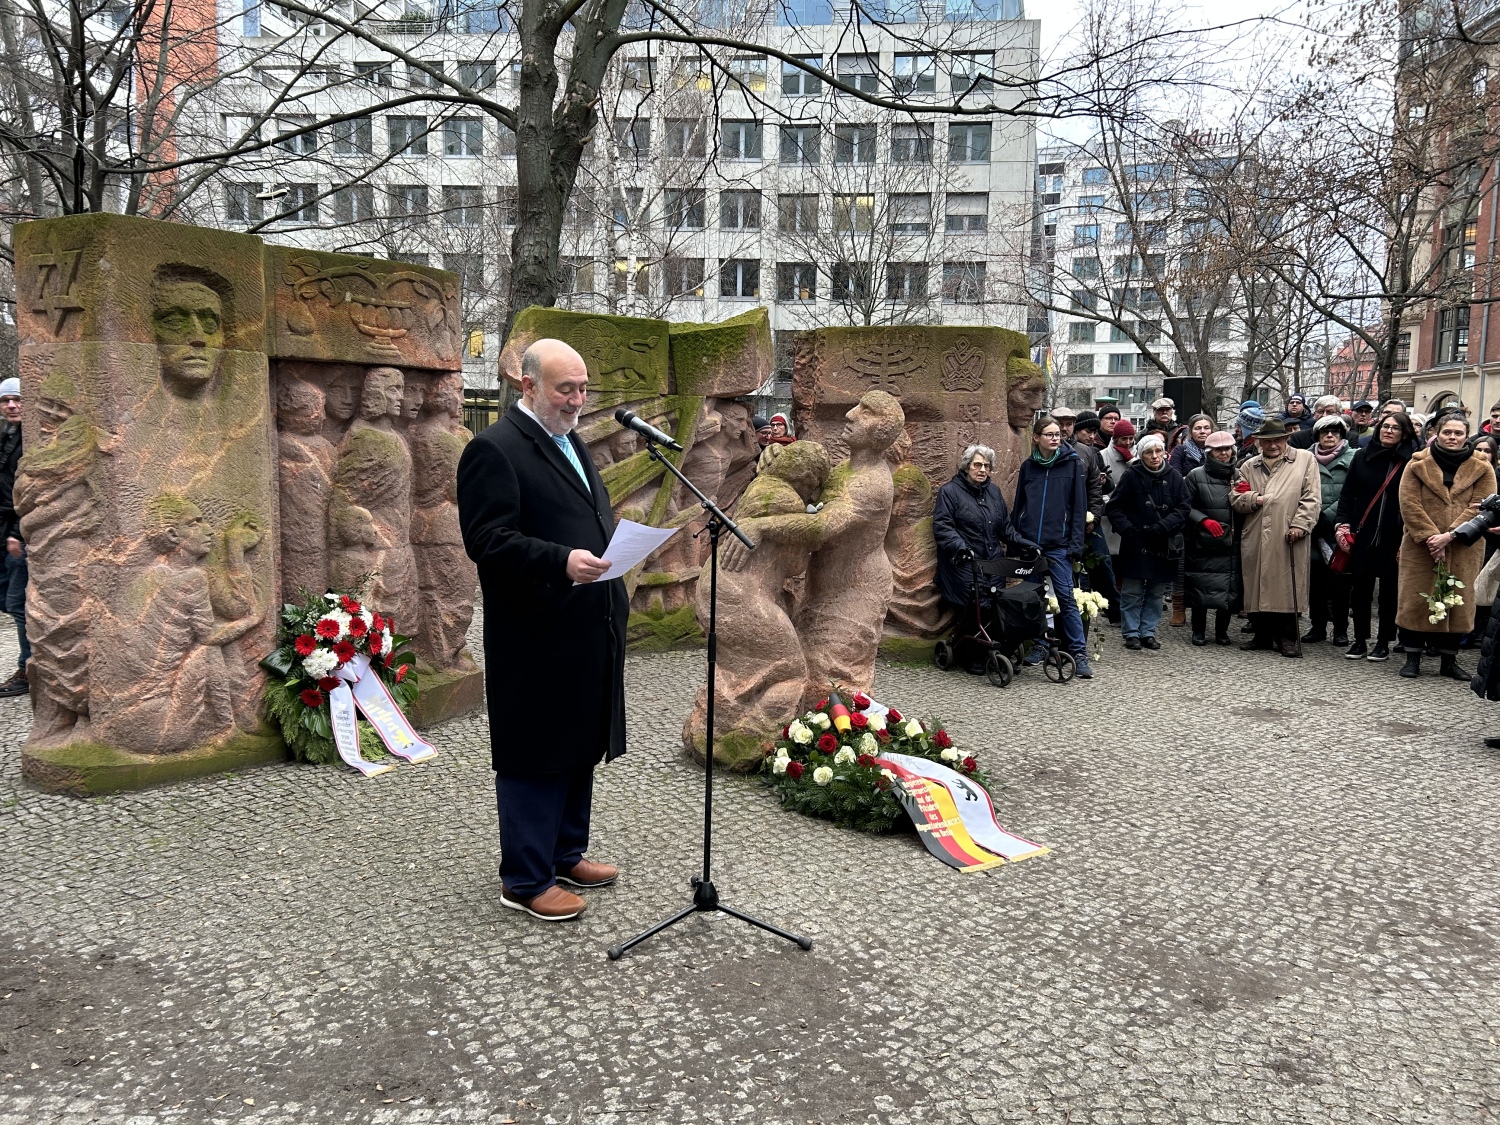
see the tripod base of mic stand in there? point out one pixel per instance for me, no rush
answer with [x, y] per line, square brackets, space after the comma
[705, 899]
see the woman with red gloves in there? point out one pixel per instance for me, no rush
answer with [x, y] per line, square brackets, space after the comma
[1212, 566]
[1368, 525]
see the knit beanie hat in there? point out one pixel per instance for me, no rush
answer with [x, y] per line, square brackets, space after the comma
[1251, 417]
[1150, 441]
[1123, 429]
[1086, 420]
[10, 388]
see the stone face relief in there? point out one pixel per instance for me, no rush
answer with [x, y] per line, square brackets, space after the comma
[445, 576]
[369, 526]
[187, 323]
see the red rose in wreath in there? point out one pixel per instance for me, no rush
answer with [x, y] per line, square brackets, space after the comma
[344, 650]
[827, 743]
[866, 760]
[883, 735]
[822, 703]
[786, 731]
[942, 740]
[861, 700]
[794, 770]
[305, 644]
[858, 721]
[970, 765]
[893, 715]
[312, 697]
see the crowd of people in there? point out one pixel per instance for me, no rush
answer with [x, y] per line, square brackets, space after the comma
[1372, 524]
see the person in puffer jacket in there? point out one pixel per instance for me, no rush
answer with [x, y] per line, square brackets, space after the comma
[1213, 550]
[1051, 510]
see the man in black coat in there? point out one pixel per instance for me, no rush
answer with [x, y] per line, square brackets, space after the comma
[536, 520]
[13, 575]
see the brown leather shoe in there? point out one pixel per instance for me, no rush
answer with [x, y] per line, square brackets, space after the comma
[1290, 646]
[1255, 642]
[552, 905]
[587, 873]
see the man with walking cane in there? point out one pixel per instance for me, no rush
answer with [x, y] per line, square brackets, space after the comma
[1279, 494]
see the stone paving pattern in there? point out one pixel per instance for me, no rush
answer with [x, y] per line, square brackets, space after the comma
[1272, 898]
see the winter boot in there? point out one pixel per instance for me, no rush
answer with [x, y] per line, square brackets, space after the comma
[1413, 666]
[1449, 666]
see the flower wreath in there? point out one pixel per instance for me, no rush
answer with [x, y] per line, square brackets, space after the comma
[824, 763]
[317, 638]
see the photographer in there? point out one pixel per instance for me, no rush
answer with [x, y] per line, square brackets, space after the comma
[1486, 681]
[1149, 509]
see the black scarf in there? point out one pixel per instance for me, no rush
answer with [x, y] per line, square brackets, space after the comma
[1449, 460]
[1217, 470]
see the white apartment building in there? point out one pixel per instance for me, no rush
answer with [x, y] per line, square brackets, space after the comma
[708, 188]
[1120, 236]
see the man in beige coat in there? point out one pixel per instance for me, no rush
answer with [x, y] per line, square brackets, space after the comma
[1278, 493]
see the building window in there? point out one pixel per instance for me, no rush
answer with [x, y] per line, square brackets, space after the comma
[241, 204]
[1121, 363]
[1149, 331]
[428, 78]
[1403, 352]
[1459, 240]
[739, 277]
[462, 206]
[860, 72]
[1090, 204]
[407, 135]
[796, 82]
[477, 75]
[374, 73]
[470, 270]
[300, 205]
[579, 210]
[969, 142]
[799, 144]
[682, 277]
[739, 210]
[413, 259]
[1124, 232]
[749, 72]
[407, 201]
[1093, 177]
[635, 74]
[685, 208]
[354, 137]
[621, 278]
[853, 213]
[1086, 235]
[963, 283]
[972, 73]
[740, 140]
[1081, 332]
[797, 212]
[355, 203]
[849, 281]
[289, 139]
[691, 73]
[1118, 334]
[911, 143]
[1081, 364]
[463, 136]
[633, 136]
[914, 74]
[1082, 299]
[796, 281]
[626, 208]
[854, 144]
[685, 137]
[1453, 334]
[911, 213]
[1085, 269]
[968, 211]
[906, 282]
[1128, 396]
[575, 275]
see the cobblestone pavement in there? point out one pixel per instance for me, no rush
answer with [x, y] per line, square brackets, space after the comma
[1272, 898]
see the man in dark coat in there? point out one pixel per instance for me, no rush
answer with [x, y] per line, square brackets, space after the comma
[1149, 509]
[536, 520]
[13, 562]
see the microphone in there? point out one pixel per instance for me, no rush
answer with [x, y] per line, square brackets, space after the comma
[628, 419]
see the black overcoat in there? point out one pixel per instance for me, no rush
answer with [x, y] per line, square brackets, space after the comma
[966, 518]
[1211, 567]
[1147, 509]
[1378, 538]
[554, 653]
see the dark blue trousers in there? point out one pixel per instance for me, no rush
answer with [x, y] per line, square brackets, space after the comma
[544, 827]
[13, 600]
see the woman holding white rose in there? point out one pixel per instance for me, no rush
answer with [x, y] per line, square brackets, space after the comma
[1440, 490]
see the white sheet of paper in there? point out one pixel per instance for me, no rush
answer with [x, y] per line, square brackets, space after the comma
[631, 543]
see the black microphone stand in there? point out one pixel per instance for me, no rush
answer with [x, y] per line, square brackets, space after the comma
[705, 895]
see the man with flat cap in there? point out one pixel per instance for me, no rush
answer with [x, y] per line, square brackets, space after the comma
[536, 520]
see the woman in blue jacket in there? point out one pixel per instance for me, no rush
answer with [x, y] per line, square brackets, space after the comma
[1051, 510]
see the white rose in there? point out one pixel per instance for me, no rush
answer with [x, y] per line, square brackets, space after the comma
[800, 732]
[867, 743]
[950, 755]
[782, 752]
[822, 775]
[913, 729]
[877, 722]
[844, 755]
[823, 721]
[319, 663]
[780, 764]
[888, 775]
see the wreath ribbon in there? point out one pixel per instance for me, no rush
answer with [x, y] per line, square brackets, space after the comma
[370, 696]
